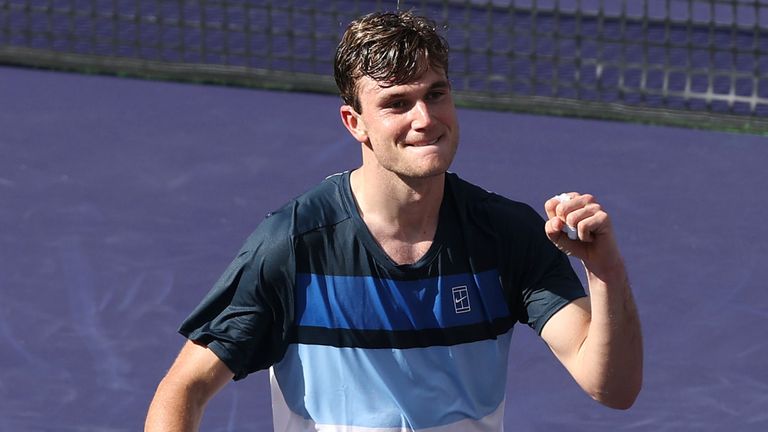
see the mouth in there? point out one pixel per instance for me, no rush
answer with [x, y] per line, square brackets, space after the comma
[424, 143]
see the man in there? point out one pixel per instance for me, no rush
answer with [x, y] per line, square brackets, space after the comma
[384, 298]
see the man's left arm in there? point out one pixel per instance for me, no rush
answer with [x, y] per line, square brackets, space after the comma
[597, 338]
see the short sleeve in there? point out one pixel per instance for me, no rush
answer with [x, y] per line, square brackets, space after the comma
[245, 316]
[537, 278]
[546, 277]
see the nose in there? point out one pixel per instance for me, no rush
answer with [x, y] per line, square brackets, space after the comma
[421, 115]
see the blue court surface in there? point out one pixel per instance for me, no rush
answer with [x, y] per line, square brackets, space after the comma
[121, 202]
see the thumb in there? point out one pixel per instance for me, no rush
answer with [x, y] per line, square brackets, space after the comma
[553, 228]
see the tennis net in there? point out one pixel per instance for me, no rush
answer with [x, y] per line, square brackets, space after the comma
[696, 63]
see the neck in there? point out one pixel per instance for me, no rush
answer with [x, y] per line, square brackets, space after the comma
[409, 204]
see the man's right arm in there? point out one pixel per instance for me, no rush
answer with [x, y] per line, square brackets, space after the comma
[180, 399]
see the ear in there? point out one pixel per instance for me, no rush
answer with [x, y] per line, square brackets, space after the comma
[354, 123]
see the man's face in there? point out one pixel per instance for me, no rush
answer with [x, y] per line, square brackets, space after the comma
[412, 128]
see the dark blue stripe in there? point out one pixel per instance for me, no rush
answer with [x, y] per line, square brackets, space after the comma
[368, 303]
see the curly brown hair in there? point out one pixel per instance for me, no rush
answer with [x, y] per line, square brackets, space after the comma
[390, 47]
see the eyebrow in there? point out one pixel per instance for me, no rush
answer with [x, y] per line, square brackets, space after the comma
[437, 85]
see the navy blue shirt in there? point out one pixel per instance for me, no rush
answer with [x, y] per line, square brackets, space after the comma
[314, 295]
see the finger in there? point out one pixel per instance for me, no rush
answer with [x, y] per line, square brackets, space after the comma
[567, 202]
[570, 202]
[550, 207]
[553, 229]
[576, 202]
[578, 214]
[588, 221]
[595, 225]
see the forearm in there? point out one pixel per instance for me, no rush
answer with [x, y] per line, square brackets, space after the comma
[611, 357]
[597, 339]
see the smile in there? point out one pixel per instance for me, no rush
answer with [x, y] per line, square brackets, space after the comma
[424, 143]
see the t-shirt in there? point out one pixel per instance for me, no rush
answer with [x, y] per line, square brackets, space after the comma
[356, 342]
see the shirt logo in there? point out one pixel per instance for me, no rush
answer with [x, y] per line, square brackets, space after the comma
[461, 299]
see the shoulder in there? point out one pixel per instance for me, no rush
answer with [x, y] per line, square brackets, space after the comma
[319, 207]
[489, 208]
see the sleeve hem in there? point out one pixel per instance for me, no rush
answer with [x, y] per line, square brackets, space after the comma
[563, 302]
[221, 351]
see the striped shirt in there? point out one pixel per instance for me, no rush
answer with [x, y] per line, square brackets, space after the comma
[355, 342]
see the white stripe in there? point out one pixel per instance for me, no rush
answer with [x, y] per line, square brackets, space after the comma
[286, 421]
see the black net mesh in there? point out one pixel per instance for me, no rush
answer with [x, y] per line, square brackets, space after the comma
[699, 63]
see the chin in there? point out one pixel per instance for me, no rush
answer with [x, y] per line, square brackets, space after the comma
[425, 172]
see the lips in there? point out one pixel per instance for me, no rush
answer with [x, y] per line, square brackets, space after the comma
[424, 143]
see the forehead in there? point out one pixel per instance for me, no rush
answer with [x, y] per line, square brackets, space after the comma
[368, 87]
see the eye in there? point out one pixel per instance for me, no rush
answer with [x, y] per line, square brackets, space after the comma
[435, 95]
[397, 105]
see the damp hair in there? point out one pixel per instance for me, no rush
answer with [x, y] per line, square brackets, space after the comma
[392, 48]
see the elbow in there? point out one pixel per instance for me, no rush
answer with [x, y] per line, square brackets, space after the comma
[618, 403]
[620, 399]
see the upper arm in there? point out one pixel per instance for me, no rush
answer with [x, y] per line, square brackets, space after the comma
[566, 331]
[195, 376]
[198, 370]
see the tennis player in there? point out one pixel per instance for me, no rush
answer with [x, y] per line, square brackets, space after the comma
[384, 298]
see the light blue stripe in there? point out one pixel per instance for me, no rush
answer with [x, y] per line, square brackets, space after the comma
[367, 303]
[415, 388]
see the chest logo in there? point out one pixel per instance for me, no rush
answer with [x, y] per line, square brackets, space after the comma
[461, 299]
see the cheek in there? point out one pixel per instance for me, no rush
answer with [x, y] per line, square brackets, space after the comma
[390, 129]
[448, 117]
